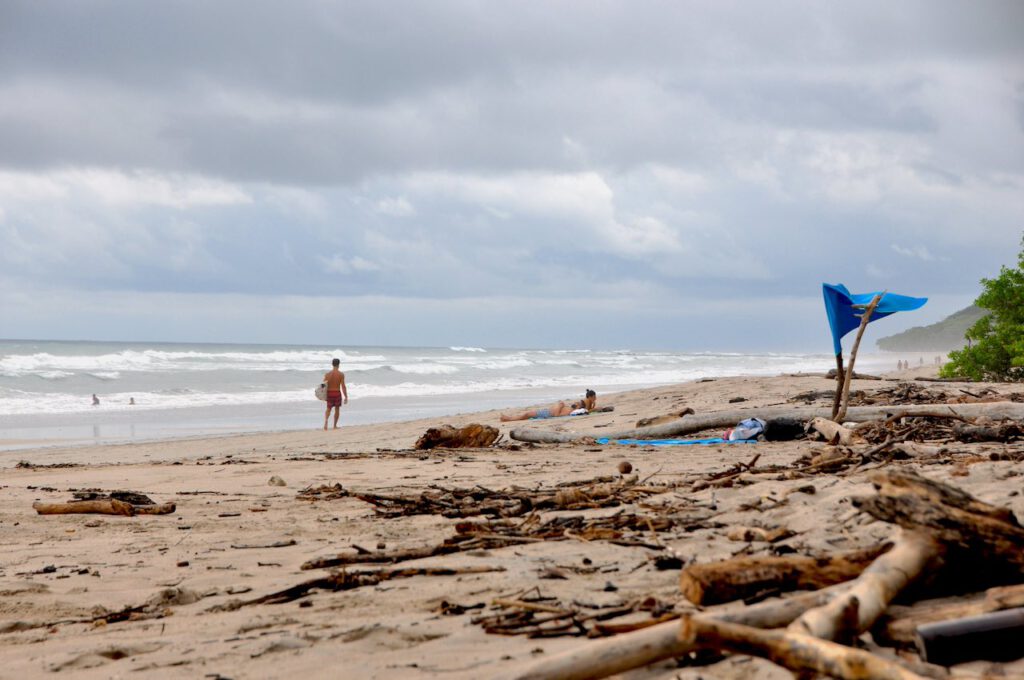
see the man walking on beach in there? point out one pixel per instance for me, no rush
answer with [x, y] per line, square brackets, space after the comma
[337, 393]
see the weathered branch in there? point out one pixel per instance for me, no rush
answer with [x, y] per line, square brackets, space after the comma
[107, 506]
[794, 651]
[857, 609]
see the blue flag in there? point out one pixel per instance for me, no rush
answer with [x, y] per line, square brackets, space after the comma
[843, 317]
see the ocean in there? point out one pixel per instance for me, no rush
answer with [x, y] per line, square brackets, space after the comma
[197, 389]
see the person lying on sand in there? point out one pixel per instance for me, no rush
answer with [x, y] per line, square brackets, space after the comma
[588, 404]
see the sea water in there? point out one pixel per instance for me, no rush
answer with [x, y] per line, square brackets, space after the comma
[46, 387]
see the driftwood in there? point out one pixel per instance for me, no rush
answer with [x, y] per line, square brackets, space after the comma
[796, 652]
[858, 608]
[996, 432]
[984, 543]
[603, 658]
[667, 418]
[843, 383]
[835, 433]
[109, 506]
[347, 580]
[745, 577]
[697, 423]
[473, 435]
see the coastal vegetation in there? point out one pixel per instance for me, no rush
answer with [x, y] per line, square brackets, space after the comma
[996, 341]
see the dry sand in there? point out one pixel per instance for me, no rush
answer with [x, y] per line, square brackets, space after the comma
[70, 567]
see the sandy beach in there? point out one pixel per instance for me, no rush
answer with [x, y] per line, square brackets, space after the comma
[235, 537]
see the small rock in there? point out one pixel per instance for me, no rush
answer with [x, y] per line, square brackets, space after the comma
[625, 467]
[381, 545]
[276, 481]
[183, 563]
[610, 587]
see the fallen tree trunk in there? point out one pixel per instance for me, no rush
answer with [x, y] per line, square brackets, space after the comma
[696, 423]
[743, 577]
[857, 609]
[603, 658]
[796, 652]
[102, 507]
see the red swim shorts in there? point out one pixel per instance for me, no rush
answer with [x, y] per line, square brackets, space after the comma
[333, 398]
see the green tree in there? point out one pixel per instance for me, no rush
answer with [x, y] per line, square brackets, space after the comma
[996, 342]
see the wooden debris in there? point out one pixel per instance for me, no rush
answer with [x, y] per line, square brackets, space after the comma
[600, 659]
[835, 433]
[109, 506]
[741, 578]
[856, 610]
[984, 543]
[473, 435]
[797, 652]
[347, 580]
[667, 418]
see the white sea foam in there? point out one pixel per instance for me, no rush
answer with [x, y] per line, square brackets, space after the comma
[467, 349]
[425, 369]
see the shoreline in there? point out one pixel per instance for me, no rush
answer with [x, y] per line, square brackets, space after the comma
[18, 446]
[236, 536]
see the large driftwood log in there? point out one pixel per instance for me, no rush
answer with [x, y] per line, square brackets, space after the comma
[109, 506]
[743, 577]
[984, 543]
[801, 653]
[696, 423]
[473, 435]
[602, 658]
[857, 609]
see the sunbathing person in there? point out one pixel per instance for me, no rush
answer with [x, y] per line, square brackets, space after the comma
[585, 405]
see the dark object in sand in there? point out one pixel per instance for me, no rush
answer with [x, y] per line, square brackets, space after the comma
[473, 435]
[784, 429]
[993, 637]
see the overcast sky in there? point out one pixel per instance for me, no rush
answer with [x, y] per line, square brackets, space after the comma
[678, 175]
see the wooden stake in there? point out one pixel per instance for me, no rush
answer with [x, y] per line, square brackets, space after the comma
[864, 320]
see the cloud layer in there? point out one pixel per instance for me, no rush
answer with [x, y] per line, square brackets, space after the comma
[538, 158]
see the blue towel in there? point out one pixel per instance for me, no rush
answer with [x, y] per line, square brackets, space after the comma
[673, 442]
[842, 317]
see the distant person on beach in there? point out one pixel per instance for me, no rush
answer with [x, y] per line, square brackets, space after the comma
[95, 400]
[131, 401]
[587, 404]
[337, 393]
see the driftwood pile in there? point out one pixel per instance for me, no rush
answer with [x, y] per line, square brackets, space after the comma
[947, 544]
[600, 492]
[473, 435]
